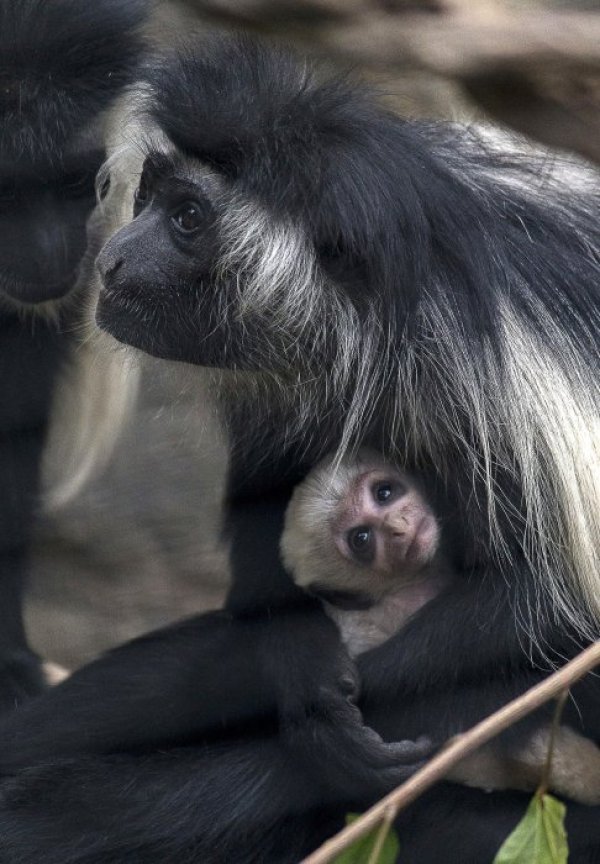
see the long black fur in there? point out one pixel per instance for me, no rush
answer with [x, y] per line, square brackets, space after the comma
[61, 65]
[428, 235]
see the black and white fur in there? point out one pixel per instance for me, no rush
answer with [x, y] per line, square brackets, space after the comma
[61, 66]
[351, 278]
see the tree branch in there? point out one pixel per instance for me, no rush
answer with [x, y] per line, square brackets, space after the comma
[461, 745]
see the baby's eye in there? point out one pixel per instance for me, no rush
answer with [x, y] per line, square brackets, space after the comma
[360, 543]
[358, 538]
[383, 492]
[387, 490]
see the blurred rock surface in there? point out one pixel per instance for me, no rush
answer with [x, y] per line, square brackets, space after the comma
[140, 546]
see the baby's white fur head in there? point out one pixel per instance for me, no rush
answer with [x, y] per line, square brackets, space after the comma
[314, 543]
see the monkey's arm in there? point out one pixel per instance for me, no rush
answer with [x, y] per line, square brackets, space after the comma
[29, 362]
[439, 678]
[466, 637]
[245, 801]
[207, 677]
[171, 686]
[575, 767]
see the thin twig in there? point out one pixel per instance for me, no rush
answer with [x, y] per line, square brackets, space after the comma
[545, 781]
[383, 832]
[461, 745]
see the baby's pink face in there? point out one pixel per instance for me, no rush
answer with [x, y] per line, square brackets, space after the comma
[386, 525]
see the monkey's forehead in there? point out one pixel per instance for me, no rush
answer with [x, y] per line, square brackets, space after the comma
[230, 98]
[314, 148]
[299, 140]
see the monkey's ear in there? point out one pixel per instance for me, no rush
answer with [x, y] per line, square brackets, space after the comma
[60, 65]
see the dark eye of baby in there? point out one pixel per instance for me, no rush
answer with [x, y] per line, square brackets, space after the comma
[383, 492]
[360, 542]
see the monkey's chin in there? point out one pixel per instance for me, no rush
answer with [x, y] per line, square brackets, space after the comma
[116, 316]
[126, 320]
[35, 293]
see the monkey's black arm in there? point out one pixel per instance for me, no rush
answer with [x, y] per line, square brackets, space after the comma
[213, 676]
[467, 631]
[207, 676]
[460, 658]
[27, 370]
[180, 684]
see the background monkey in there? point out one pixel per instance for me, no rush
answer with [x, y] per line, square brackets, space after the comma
[62, 65]
[362, 536]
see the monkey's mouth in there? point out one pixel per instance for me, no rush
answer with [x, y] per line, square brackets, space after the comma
[33, 292]
[422, 545]
[347, 600]
[118, 315]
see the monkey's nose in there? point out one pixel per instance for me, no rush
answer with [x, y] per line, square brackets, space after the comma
[396, 524]
[108, 263]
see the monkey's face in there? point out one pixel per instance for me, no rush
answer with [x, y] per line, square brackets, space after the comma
[61, 65]
[42, 229]
[258, 232]
[158, 284]
[359, 530]
[205, 273]
[385, 525]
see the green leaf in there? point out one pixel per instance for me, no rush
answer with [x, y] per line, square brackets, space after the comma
[540, 837]
[361, 850]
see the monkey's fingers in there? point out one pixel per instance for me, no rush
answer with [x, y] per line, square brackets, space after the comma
[380, 765]
[350, 757]
[412, 751]
[399, 760]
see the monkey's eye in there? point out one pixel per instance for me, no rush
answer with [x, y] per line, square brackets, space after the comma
[385, 491]
[189, 218]
[140, 196]
[141, 193]
[104, 187]
[360, 542]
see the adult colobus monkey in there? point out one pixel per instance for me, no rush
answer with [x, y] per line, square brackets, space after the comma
[61, 65]
[352, 278]
[360, 535]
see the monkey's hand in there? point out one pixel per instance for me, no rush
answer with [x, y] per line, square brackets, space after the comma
[355, 758]
[21, 677]
[322, 725]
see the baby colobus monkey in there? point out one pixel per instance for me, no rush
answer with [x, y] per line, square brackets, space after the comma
[362, 537]
[364, 540]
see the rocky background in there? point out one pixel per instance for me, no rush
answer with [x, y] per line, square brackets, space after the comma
[140, 545]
